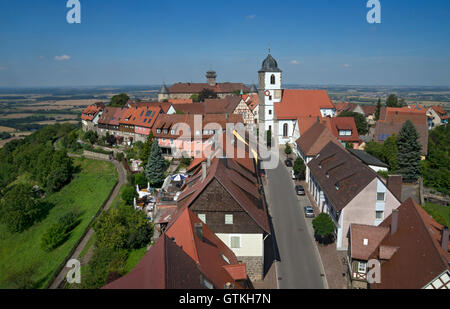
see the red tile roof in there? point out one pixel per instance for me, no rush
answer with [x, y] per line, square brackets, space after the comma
[181, 101]
[239, 182]
[211, 106]
[365, 239]
[439, 110]
[315, 139]
[91, 111]
[414, 251]
[112, 116]
[144, 116]
[336, 124]
[180, 260]
[302, 104]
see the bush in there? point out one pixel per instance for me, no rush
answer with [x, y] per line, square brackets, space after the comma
[59, 232]
[128, 195]
[139, 179]
[299, 168]
[288, 149]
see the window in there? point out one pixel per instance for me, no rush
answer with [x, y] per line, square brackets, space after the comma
[380, 196]
[362, 267]
[345, 133]
[228, 219]
[285, 130]
[235, 242]
[270, 112]
[206, 283]
[225, 259]
[172, 132]
[270, 98]
[165, 131]
[202, 217]
[272, 79]
[379, 215]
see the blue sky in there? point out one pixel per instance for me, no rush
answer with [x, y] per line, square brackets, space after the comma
[140, 42]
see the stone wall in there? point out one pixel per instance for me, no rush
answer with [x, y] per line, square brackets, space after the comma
[254, 266]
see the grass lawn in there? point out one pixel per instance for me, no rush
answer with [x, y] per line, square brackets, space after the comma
[441, 211]
[88, 191]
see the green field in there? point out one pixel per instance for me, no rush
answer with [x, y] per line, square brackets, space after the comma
[87, 192]
[438, 212]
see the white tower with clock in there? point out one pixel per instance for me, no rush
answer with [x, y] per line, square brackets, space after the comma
[270, 92]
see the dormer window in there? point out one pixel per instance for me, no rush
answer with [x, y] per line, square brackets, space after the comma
[337, 187]
[158, 131]
[172, 132]
[225, 259]
[327, 175]
[166, 131]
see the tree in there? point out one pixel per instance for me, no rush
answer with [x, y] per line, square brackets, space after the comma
[19, 210]
[378, 111]
[119, 100]
[402, 102]
[299, 168]
[323, 228]
[392, 101]
[206, 94]
[390, 152]
[140, 180]
[269, 138]
[129, 194]
[111, 140]
[361, 123]
[349, 145]
[91, 137]
[409, 152]
[147, 147]
[288, 149]
[375, 149]
[156, 166]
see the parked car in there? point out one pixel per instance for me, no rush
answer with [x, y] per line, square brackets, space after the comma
[300, 190]
[289, 162]
[309, 212]
[294, 177]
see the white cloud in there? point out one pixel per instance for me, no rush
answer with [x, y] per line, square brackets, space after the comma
[347, 65]
[253, 16]
[295, 62]
[62, 58]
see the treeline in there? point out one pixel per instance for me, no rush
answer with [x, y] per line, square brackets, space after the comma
[25, 124]
[436, 168]
[36, 156]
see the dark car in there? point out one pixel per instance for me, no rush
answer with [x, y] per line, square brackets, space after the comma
[288, 162]
[309, 212]
[300, 190]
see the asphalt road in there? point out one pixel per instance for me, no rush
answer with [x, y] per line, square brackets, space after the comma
[299, 266]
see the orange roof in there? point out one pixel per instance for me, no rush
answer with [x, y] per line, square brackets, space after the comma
[438, 109]
[90, 112]
[180, 101]
[336, 124]
[141, 116]
[301, 105]
[237, 272]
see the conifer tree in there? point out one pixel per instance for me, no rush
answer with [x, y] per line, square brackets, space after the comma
[377, 113]
[156, 166]
[409, 152]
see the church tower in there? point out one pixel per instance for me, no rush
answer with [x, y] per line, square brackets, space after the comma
[269, 90]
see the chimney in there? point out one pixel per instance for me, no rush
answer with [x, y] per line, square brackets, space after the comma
[394, 184]
[203, 171]
[445, 235]
[394, 221]
[199, 230]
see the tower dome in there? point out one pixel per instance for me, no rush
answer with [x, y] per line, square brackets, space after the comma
[270, 65]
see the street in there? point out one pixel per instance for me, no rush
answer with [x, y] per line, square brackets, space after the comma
[299, 266]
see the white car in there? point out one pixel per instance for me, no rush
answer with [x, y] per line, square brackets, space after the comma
[293, 175]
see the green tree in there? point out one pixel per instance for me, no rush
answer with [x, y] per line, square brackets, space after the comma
[19, 210]
[375, 149]
[392, 101]
[390, 152]
[299, 168]
[147, 147]
[378, 111]
[129, 194]
[288, 149]
[402, 102]
[156, 166]
[119, 100]
[409, 152]
[140, 180]
[360, 120]
[91, 137]
[323, 228]
[206, 94]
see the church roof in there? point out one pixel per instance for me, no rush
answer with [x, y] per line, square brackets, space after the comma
[269, 65]
[164, 89]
